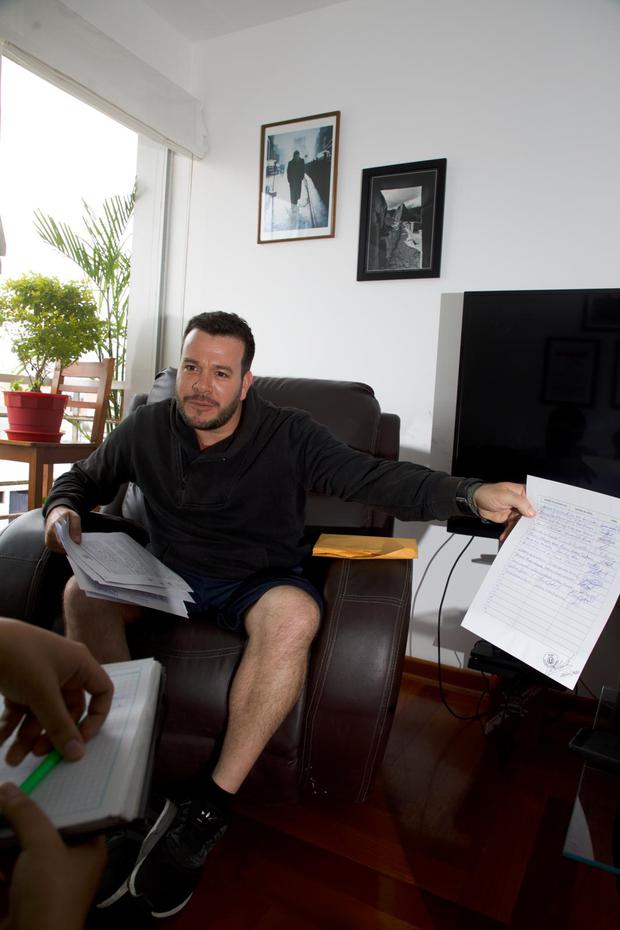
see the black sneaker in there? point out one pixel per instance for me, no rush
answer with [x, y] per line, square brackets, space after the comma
[125, 848]
[167, 874]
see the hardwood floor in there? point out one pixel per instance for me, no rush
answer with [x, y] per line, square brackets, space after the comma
[461, 832]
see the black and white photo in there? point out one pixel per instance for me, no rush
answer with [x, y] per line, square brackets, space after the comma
[298, 172]
[401, 221]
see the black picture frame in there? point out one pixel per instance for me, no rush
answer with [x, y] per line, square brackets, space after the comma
[401, 221]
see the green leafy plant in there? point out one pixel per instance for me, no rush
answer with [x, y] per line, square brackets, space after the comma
[103, 256]
[46, 320]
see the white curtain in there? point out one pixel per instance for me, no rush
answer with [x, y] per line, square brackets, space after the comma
[56, 43]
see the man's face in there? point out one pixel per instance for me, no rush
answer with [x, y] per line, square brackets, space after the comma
[209, 385]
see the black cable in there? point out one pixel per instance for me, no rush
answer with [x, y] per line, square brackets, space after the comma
[421, 582]
[477, 715]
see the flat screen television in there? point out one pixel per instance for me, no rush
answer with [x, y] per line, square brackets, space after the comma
[538, 390]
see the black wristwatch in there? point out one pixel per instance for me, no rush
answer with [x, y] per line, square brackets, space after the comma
[465, 496]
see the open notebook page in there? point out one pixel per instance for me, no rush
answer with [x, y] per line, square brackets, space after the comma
[106, 784]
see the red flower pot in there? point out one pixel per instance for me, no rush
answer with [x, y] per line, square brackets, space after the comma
[34, 416]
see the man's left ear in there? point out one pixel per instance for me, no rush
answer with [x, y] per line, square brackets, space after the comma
[246, 384]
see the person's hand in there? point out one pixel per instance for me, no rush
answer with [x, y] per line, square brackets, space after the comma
[44, 679]
[55, 515]
[503, 503]
[52, 884]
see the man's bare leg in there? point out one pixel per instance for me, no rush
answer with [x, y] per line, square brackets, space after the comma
[281, 627]
[98, 624]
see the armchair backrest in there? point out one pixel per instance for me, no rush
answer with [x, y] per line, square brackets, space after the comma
[350, 411]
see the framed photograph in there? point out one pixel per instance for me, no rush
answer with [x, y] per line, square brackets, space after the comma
[570, 371]
[602, 311]
[401, 221]
[298, 170]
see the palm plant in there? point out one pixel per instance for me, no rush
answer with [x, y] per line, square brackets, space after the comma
[103, 256]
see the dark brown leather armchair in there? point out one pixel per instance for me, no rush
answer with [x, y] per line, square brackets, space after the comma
[332, 742]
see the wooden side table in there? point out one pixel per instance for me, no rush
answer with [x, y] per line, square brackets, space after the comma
[41, 458]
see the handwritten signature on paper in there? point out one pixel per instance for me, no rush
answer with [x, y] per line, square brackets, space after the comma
[553, 663]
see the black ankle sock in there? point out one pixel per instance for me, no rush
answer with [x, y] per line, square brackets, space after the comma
[211, 793]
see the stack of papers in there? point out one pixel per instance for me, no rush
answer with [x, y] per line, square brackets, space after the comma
[114, 567]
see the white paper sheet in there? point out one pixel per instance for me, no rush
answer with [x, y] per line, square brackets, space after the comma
[113, 566]
[555, 581]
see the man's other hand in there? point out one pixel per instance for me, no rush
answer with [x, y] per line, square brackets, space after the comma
[504, 502]
[55, 515]
[45, 680]
[52, 884]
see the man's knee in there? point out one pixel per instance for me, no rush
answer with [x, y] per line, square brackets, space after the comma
[285, 612]
[76, 602]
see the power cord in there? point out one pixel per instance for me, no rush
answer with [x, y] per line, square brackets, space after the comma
[420, 583]
[478, 715]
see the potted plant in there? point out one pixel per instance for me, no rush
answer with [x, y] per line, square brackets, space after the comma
[46, 321]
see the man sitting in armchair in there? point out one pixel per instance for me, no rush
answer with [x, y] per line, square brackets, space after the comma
[224, 475]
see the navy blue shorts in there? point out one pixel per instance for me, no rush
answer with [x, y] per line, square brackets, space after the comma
[228, 599]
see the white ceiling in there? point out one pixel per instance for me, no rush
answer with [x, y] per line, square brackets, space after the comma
[205, 19]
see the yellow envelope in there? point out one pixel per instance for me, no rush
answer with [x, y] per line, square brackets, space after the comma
[335, 546]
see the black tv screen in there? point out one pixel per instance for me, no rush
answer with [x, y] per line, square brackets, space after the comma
[539, 390]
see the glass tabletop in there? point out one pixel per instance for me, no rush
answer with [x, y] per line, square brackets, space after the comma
[593, 834]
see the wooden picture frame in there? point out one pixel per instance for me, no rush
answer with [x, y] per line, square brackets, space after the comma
[298, 178]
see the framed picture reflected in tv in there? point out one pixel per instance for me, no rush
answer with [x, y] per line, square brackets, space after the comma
[538, 390]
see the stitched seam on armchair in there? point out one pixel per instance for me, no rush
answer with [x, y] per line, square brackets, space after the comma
[387, 688]
[199, 654]
[372, 599]
[314, 699]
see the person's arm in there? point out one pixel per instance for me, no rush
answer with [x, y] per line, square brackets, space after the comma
[52, 885]
[402, 489]
[96, 479]
[44, 679]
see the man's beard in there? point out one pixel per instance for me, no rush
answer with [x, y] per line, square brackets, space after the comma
[220, 419]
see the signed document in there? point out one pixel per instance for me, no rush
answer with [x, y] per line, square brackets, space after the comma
[555, 581]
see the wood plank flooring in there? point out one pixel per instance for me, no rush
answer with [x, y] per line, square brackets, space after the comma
[462, 832]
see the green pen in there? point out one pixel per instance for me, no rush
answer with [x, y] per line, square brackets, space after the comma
[42, 770]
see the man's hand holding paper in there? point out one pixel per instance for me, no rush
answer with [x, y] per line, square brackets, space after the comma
[555, 581]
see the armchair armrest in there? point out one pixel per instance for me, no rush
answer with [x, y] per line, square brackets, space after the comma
[32, 577]
[355, 675]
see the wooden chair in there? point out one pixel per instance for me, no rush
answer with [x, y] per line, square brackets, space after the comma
[88, 384]
[97, 391]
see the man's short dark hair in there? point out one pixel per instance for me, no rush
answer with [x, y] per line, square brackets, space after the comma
[219, 323]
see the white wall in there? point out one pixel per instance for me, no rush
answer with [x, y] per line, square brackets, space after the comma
[520, 98]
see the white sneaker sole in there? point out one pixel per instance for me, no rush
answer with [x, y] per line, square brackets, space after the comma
[159, 827]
